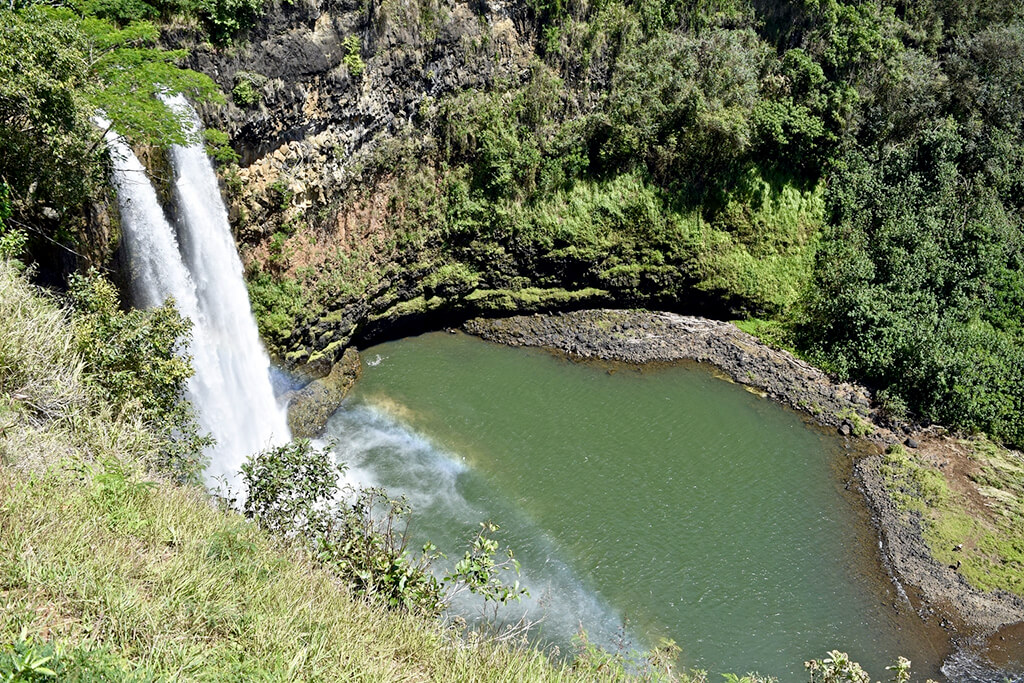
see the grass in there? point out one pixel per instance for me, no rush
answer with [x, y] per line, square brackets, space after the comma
[109, 571]
[154, 573]
[990, 536]
[118, 570]
[859, 425]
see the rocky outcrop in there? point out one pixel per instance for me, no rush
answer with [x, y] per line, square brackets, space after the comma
[328, 82]
[310, 407]
[975, 613]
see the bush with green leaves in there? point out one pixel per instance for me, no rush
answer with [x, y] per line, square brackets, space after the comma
[918, 285]
[136, 361]
[12, 239]
[218, 147]
[57, 69]
[362, 533]
[837, 667]
[248, 84]
[353, 58]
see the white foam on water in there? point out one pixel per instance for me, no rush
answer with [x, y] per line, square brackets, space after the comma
[378, 445]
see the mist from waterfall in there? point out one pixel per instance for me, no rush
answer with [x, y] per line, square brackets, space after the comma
[195, 261]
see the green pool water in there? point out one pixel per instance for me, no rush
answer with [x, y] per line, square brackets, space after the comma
[643, 503]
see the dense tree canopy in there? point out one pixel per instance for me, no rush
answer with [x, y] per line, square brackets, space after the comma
[853, 171]
[909, 116]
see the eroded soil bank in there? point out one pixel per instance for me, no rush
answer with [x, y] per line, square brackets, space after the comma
[937, 588]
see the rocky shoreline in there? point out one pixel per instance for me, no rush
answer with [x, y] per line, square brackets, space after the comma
[935, 590]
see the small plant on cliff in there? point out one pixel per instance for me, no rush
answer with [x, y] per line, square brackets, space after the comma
[246, 92]
[283, 193]
[218, 146]
[859, 425]
[353, 58]
[361, 533]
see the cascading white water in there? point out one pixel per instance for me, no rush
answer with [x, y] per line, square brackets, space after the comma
[200, 268]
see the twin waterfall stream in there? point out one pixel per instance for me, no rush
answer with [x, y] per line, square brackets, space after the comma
[192, 257]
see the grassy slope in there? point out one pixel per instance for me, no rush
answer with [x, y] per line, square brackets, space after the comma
[131, 574]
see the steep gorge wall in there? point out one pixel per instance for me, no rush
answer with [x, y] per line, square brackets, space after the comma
[337, 86]
[416, 163]
[318, 117]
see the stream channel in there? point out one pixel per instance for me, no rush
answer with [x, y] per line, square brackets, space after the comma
[643, 503]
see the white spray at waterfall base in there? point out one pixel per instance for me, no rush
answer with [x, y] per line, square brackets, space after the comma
[197, 263]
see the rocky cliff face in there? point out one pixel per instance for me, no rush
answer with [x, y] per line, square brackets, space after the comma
[324, 93]
[332, 81]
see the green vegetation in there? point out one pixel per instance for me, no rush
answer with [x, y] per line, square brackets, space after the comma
[246, 92]
[218, 146]
[134, 363]
[58, 68]
[353, 56]
[847, 172]
[980, 534]
[361, 534]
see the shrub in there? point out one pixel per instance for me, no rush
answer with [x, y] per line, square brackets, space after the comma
[134, 362]
[362, 533]
[353, 58]
[218, 146]
[247, 90]
[224, 19]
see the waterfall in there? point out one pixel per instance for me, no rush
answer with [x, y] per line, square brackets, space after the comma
[197, 263]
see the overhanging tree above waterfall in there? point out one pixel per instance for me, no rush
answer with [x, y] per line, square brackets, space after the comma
[57, 68]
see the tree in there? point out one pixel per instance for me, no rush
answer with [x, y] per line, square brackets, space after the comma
[135, 362]
[58, 69]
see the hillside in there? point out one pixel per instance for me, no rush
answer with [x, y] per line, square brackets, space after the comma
[118, 573]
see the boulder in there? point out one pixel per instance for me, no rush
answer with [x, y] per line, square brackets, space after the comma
[310, 407]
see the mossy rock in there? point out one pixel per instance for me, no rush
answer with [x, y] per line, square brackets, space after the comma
[309, 408]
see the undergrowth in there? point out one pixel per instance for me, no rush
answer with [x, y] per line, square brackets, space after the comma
[112, 571]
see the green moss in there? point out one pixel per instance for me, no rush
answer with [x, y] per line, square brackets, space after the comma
[772, 332]
[416, 306]
[991, 539]
[530, 299]
[861, 426]
[278, 304]
[450, 280]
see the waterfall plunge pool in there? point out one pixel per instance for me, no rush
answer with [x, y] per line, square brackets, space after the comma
[643, 503]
